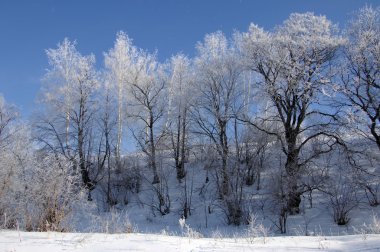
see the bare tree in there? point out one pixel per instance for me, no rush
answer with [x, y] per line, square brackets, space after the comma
[107, 123]
[341, 186]
[148, 90]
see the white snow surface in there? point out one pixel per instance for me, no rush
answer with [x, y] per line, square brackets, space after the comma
[12, 241]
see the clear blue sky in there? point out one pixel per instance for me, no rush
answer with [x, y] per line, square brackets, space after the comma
[29, 27]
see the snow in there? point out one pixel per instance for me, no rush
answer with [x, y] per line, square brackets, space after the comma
[50, 241]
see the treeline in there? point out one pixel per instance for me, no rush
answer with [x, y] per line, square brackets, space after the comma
[301, 101]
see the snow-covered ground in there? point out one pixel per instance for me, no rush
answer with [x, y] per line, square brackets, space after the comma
[137, 228]
[13, 241]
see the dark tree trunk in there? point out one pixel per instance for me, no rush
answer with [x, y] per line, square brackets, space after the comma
[225, 187]
[180, 147]
[81, 151]
[292, 170]
[224, 152]
[293, 194]
[153, 165]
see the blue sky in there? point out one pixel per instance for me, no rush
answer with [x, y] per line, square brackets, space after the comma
[28, 27]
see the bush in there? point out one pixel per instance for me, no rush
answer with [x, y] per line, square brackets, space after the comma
[342, 201]
[49, 201]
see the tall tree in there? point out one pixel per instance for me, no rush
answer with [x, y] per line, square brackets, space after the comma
[69, 98]
[361, 73]
[293, 66]
[181, 84]
[148, 103]
[8, 117]
[118, 63]
[218, 74]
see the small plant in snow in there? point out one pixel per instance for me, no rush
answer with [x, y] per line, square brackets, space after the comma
[371, 228]
[217, 234]
[374, 227]
[322, 243]
[187, 231]
[117, 222]
[165, 231]
[256, 229]
[304, 230]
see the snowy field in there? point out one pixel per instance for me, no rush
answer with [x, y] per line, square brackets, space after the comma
[13, 241]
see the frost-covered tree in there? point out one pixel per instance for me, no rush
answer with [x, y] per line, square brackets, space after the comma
[9, 170]
[218, 72]
[180, 87]
[294, 68]
[148, 103]
[16, 161]
[8, 114]
[361, 73]
[69, 98]
[118, 63]
[181, 84]
[360, 90]
[107, 135]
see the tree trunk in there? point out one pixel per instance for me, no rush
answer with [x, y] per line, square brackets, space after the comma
[182, 172]
[373, 128]
[119, 124]
[293, 195]
[292, 170]
[225, 188]
[258, 180]
[82, 158]
[153, 165]
[224, 144]
[180, 147]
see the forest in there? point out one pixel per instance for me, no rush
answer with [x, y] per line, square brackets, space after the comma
[264, 124]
